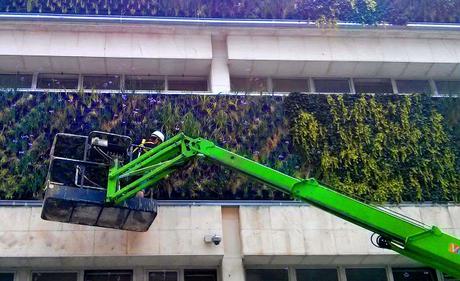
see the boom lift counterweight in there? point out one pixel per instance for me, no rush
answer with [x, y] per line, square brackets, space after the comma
[427, 245]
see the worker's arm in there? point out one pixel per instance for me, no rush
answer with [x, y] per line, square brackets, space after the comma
[427, 245]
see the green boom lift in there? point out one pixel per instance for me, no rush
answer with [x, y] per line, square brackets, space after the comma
[106, 158]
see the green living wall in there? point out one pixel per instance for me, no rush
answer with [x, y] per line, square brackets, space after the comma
[359, 11]
[383, 148]
[380, 148]
[253, 126]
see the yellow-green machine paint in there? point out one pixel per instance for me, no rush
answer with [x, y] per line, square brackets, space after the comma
[427, 245]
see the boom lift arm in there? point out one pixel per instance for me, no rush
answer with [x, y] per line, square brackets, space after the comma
[427, 245]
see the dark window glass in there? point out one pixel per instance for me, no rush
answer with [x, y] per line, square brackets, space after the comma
[414, 274]
[112, 275]
[15, 80]
[54, 276]
[6, 276]
[252, 84]
[449, 278]
[376, 86]
[145, 83]
[187, 85]
[290, 85]
[448, 87]
[57, 81]
[200, 275]
[413, 86]
[332, 85]
[267, 274]
[163, 276]
[108, 82]
[366, 274]
[325, 274]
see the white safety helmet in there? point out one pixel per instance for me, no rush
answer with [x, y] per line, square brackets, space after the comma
[159, 135]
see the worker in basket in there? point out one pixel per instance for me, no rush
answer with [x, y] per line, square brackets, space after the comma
[156, 138]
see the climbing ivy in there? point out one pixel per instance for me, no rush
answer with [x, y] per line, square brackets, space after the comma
[389, 148]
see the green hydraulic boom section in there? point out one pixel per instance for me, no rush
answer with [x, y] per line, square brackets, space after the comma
[427, 245]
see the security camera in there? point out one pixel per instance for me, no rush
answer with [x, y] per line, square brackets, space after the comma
[216, 239]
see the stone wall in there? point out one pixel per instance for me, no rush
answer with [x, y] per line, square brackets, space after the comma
[252, 235]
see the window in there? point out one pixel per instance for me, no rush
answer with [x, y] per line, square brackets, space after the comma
[200, 275]
[145, 83]
[267, 274]
[376, 86]
[57, 81]
[163, 276]
[325, 274]
[15, 80]
[366, 274]
[413, 86]
[112, 275]
[290, 85]
[54, 276]
[332, 85]
[448, 87]
[6, 276]
[252, 84]
[414, 274]
[108, 82]
[449, 278]
[197, 84]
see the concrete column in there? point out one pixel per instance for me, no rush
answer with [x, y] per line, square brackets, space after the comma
[352, 86]
[34, 80]
[270, 85]
[138, 274]
[219, 75]
[434, 88]
[232, 268]
[311, 84]
[394, 86]
[22, 275]
[80, 81]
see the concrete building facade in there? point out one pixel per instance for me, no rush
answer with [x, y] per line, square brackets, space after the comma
[260, 240]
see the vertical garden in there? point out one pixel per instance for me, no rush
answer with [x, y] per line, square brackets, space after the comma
[381, 148]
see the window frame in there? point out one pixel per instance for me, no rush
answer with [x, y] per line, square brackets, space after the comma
[436, 81]
[85, 271]
[144, 77]
[65, 75]
[84, 76]
[430, 90]
[14, 272]
[384, 267]
[250, 92]
[350, 84]
[31, 273]
[337, 269]
[374, 80]
[186, 78]
[306, 80]
[289, 269]
[180, 273]
[439, 276]
[18, 74]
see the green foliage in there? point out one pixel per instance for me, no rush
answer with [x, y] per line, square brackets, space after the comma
[253, 126]
[321, 11]
[383, 148]
[377, 148]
